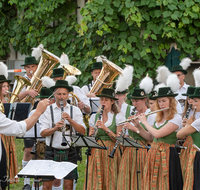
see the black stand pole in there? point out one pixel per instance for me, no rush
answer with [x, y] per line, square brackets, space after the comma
[88, 153]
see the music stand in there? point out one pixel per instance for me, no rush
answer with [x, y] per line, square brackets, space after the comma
[129, 142]
[89, 142]
[16, 111]
[40, 169]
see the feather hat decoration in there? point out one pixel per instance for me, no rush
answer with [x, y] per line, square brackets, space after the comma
[64, 59]
[71, 79]
[3, 69]
[125, 79]
[48, 82]
[146, 84]
[162, 74]
[185, 63]
[37, 52]
[173, 82]
[100, 57]
[196, 74]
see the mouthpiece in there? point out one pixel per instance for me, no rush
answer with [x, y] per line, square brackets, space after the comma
[31, 72]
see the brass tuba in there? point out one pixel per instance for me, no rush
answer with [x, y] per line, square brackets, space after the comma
[105, 79]
[47, 63]
[21, 83]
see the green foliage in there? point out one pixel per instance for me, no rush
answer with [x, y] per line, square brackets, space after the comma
[135, 32]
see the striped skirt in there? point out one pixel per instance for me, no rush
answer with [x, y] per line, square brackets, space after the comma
[11, 158]
[103, 170]
[184, 155]
[192, 175]
[162, 169]
[129, 167]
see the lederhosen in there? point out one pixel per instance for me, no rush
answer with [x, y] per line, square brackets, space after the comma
[60, 155]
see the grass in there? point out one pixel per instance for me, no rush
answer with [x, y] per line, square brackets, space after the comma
[20, 153]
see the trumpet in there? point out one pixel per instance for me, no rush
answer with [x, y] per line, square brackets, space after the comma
[127, 120]
[111, 155]
[96, 127]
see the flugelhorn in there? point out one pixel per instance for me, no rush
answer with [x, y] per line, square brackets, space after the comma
[46, 64]
[105, 79]
[111, 155]
[136, 117]
[95, 126]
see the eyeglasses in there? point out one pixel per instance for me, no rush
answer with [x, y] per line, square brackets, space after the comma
[179, 75]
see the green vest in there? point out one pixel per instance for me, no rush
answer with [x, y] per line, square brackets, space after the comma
[128, 110]
[169, 139]
[196, 137]
[102, 134]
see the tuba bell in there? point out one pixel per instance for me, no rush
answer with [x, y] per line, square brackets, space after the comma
[21, 83]
[47, 63]
[105, 79]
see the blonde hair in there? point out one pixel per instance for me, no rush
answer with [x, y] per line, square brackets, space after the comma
[172, 110]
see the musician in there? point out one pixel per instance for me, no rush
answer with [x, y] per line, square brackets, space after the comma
[192, 128]
[152, 100]
[84, 103]
[127, 178]
[13, 128]
[95, 71]
[187, 113]
[30, 65]
[44, 93]
[102, 170]
[180, 72]
[73, 117]
[162, 168]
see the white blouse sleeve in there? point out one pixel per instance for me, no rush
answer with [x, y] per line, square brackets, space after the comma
[119, 117]
[177, 120]
[92, 120]
[196, 125]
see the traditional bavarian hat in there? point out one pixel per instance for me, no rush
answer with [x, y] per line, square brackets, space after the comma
[30, 61]
[61, 84]
[108, 92]
[45, 93]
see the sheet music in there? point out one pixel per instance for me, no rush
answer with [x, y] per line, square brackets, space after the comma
[126, 141]
[47, 168]
[94, 102]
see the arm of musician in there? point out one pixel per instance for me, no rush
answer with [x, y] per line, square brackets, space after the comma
[91, 95]
[49, 132]
[41, 107]
[84, 107]
[91, 131]
[101, 125]
[31, 93]
[164, 131]
[190, 127]
[77, 121]
[138, 128]
[184, 122]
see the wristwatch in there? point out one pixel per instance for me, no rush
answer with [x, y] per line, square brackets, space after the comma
[108, 131]
[137, 131]
[85, 106]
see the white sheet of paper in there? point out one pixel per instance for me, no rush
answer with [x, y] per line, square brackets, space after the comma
[47, 168]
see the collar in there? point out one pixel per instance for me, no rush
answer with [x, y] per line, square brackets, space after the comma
[56, 107]
[26, 76]
[185, 86]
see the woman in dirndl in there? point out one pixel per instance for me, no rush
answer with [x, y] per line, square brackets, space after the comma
[8, 164]
[162, 168]
[103, 170]
[187, 112]
[192, 127]
[133, 159]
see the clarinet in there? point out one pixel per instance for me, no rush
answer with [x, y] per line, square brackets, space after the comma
[188, 111]
[64, 142]
[99, 118]
[111, 155]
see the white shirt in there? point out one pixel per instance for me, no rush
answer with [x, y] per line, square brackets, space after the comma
[177, 120]
[182, 90]
[23, 89]
[179, 108]
[45, 122]
[86, 89]
[83, 98]
[31, 132]
[119, 117]
[11, 128]
[196, 125]
[124, 107]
